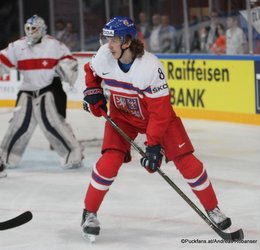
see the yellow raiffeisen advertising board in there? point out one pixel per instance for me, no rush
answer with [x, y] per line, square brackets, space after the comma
[212, 89]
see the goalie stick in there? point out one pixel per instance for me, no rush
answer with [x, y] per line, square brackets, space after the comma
[232, 236]
[16, 221]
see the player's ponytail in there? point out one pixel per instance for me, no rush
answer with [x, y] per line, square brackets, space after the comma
[137, 48]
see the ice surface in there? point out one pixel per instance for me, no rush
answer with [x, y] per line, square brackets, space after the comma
[141, 210]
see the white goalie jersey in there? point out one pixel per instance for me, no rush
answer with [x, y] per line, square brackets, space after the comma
[39, 63]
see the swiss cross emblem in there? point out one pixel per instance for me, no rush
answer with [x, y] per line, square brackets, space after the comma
[44, 63]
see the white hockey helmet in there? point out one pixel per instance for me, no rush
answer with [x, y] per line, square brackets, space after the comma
[35, 28]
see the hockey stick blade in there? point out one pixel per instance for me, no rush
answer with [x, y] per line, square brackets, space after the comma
[233, 236]
[16, 221]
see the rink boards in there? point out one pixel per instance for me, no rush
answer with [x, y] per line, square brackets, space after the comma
[210, 87]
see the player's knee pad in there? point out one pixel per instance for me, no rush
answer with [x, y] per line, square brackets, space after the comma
[193, 171]
[56, 130]
[106, 169]
[21, 128]
[110, 162]
[188, 165]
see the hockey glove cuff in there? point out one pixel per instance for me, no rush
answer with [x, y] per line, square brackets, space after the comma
[94, 99]
[153, 159]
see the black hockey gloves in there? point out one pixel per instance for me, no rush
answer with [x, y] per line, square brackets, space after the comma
[153, 159]
[94, 100]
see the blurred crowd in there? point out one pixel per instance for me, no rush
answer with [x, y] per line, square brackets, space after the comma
[65, 32]
[215, 35]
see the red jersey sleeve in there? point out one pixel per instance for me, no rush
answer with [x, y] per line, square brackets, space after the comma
[160, 115]
[91, 79]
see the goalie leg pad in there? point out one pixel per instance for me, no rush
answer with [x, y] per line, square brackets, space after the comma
[19, 133]
[57, 131]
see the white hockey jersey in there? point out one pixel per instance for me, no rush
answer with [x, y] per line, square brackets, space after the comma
[140, 96]
[36, 63]
[145, 77]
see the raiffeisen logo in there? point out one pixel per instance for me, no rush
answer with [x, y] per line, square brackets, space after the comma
[107, 32]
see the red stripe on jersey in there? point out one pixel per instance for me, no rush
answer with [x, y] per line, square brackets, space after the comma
[6, 61]
[38, 63]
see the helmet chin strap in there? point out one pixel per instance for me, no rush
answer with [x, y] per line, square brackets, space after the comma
[123, 50]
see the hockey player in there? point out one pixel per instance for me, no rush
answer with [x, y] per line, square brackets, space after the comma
[139, 103]
[43, 61]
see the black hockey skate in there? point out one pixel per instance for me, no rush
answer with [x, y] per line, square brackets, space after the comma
[219, 218]
[90, 225]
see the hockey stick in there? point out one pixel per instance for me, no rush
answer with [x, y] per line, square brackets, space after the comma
[233, 236]
[16, 221]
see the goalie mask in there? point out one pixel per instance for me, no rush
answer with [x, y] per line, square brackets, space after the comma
[35, 29]
[119, 26]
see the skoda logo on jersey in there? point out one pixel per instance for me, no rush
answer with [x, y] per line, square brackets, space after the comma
[107, 32]
[162, 87]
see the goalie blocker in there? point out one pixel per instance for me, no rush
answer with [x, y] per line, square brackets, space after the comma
[67, 70]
